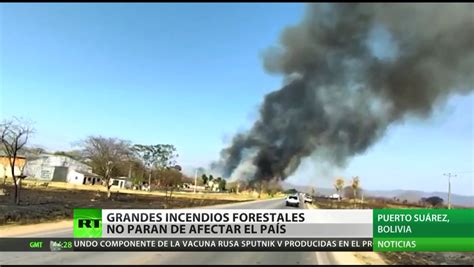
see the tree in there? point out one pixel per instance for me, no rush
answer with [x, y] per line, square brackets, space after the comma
[355, 185]
[156, 156]
[170, 178]
[210, 182]
[105, 154]
[222, 184]
[178, 167]
[148, 155]
[14, 136]
[217, 183]
[204, 179]
[313, 191]
[434, 201]
[167, 155]
[339, 185]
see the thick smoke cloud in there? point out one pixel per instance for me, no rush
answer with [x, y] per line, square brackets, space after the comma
[339, 97]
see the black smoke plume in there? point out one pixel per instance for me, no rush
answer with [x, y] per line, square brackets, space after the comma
[339, 96]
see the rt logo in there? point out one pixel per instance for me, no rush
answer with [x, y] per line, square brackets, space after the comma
[88, 223]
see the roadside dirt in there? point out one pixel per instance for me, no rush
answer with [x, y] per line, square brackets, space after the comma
[355, 258]
[15, 230]
[52, 204]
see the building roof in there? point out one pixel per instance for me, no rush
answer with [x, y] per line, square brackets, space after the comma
[87, 173]
[121, 178]
[3, 155]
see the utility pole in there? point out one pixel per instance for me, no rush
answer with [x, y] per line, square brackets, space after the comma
[195, 180]
[149, 181]
[449, 175]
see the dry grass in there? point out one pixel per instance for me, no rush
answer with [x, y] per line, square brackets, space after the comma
[41, 204]
[95, 188]
[324, 203]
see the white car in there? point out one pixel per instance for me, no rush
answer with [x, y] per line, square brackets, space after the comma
[307, 199]
[293, 200]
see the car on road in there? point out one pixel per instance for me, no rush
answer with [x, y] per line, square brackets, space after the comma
[293, 200]
[307, 199]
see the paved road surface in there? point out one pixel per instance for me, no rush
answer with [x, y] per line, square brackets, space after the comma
[267, 258]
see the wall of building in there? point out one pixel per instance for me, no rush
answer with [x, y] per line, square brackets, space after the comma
[117, 183]
[60, 174]
[43, 168]
[75, 177]
[5, 169]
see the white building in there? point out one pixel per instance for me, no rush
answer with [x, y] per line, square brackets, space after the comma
[59, 168]
[81, 177]
[120, 183]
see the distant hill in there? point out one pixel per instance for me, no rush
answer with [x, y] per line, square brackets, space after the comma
[415, 195]
[409, 195]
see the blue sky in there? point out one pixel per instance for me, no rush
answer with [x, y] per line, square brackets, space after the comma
[190, 75]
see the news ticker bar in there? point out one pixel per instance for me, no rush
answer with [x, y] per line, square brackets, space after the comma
[185, 244]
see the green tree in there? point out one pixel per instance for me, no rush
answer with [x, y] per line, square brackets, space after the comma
[210, 182]
[205, 179]
[222, 184]
[156, 156]
[434, 201]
